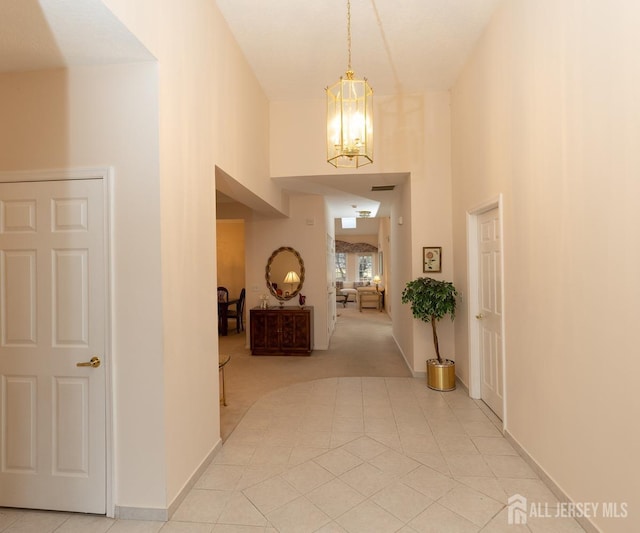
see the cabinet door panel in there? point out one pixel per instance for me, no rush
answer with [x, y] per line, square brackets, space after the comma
[295, 331]
[282, 331]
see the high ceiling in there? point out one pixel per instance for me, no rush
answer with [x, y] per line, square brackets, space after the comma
[46, 34]
[298, 47]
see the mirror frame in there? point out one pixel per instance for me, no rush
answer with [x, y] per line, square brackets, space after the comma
[267, 274]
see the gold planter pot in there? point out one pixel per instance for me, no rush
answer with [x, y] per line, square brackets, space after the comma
[441, 376]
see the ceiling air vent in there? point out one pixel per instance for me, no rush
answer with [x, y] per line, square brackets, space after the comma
[383, 187]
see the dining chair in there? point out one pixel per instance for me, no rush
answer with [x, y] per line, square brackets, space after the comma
[223, 294]
[237, 314]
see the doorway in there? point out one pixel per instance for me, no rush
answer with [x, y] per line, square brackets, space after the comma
[486, 306]
[53, 340]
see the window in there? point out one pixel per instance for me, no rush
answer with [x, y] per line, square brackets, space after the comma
[341, 266]
[365, 267]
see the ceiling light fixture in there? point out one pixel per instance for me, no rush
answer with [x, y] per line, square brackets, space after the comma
[349, 117]
[364, 214]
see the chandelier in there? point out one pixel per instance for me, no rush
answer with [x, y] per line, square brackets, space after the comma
[349, 117]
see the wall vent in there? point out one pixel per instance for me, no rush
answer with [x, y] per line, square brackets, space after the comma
[383, 187]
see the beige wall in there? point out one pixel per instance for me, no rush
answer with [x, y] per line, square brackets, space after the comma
[210, 109]
[547, 113]
[96, 116]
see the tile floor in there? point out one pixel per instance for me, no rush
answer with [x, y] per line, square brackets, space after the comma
[354, 455]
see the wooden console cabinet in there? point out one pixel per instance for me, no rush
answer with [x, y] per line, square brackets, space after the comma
[282, 330]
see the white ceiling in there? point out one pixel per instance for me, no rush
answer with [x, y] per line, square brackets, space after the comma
[297, 48]
[45, 34]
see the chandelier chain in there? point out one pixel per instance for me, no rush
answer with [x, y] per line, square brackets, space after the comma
[349, 34]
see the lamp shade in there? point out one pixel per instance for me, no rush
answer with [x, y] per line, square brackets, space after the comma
[292, 277]
[376, 279]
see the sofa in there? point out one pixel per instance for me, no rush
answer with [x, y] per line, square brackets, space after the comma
[347, 291]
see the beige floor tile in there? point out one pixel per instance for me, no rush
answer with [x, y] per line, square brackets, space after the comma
[487, 485]
[483, 428]
[429, 482]
[271, 455]
[221, 477]
[136, 526]
[493, 446]
[235, 454]
[307, 476]
[508, 466]
[298, 516]
[365, 447]
[368, 479]
[456, 445]
[432, 460]
[226, 528]
[338, 461]
[378, 410]
[316, 439]
[380, 425]
[402, 501]
[439, 519]
[390, 440]
[468, 465]
[8, 517]
[335, 498]
[241, 512]
[275, 437]
[553, 525]
[348, 409]
[369, 518]
[37, 522]
[332, 527]
[302, 454]
[413, 427]
[500, 524]
[201, 506]
[257, 474]
[533, 489]
[419, 443]
[393, 462]
[271, 494]
[187, 527]
[354, 424]
[340, 439]
[474, 414]
[471, 504]
[85, 524]
[447, 427]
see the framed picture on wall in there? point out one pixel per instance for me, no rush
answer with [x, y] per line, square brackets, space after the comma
[431, 259]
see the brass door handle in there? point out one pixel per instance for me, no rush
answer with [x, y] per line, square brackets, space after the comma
[479, 316]
[94, 363]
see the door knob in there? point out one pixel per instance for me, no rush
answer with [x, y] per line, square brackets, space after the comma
[94, 363]
[479, 316]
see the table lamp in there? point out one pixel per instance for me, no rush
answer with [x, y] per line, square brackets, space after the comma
[376, 280]
[291, 278]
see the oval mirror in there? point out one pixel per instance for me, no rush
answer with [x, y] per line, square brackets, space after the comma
[285, 273]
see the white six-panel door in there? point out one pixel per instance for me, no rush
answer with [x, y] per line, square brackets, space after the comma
[489, 316]
[52, 316]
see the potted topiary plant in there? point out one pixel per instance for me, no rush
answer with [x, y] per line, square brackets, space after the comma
[432, 300]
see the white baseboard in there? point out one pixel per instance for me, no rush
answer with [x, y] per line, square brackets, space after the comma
[164, 515]
[586, 524]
